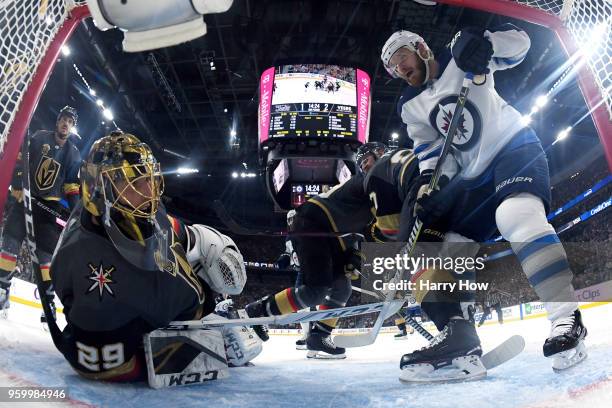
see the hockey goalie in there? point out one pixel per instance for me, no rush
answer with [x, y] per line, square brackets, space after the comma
[124, 269]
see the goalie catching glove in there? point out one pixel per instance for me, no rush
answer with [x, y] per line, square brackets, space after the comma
[216, 259]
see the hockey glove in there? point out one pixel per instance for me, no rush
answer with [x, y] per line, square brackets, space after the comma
[472, 51]
[433, 205]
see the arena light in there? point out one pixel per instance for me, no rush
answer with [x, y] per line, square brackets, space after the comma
[563, 134]
[187, 170]
[595, 39]
[235, 175]
[108, 114]
[65, 50]
[394, 136]
[100, 102]
[233, 133]
[92, 92]
[541, 101]
[525, 120]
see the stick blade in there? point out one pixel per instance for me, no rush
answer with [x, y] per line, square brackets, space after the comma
[365, 339]
[507, 350]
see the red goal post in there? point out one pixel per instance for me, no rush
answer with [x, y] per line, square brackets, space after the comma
[32, 34]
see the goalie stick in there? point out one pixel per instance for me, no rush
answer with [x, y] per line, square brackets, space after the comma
[238, 229]
[365, 339]
[56, 334]
[386, 309]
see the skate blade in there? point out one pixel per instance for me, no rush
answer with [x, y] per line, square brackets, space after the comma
[402, 338]
[569, 358]
[3, 314]
[468, 368]
[301, 347]
[315, 355]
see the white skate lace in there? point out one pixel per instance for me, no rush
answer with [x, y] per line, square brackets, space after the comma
[437, 339]
[562, 326]
[328, 342]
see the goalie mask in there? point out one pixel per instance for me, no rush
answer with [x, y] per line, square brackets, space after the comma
[121, 182]
[217, 260]
[406, 39]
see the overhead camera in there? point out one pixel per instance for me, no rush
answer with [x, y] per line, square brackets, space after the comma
[148, 25]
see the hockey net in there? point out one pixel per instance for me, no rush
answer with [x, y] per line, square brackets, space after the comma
[31, 35]
[33, 31]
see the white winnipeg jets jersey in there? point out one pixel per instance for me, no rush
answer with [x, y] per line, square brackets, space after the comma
[488, 122]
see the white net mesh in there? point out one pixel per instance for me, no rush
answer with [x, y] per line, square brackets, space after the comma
[589, 23]
[27, 28]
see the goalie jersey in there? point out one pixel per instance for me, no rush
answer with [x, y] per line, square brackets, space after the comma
[109, 303]
[488, 122]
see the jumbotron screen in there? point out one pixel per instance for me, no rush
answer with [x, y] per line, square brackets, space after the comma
[314, 100]
[300, 193]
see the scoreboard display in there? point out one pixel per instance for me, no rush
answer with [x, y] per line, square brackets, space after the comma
[314, 101]
[313, 119]
[300, 193]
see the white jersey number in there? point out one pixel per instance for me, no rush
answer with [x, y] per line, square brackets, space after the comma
[89, 357]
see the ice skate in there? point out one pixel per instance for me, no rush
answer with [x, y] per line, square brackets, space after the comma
[321, 346]
[257, 309]
[566, 342]
[453, 355]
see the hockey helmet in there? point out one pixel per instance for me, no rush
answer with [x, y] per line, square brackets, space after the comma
[375, 149]
[121, 174]
[70, 112]
[411, 41]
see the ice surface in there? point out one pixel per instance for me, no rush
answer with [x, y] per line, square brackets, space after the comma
[282, 377]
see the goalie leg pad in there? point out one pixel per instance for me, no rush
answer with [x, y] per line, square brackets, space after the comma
[184, 357]
[241, 345]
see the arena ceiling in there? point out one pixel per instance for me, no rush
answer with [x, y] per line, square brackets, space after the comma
[176, 101]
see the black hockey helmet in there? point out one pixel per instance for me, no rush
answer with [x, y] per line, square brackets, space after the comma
[376, 149]
[70, 112]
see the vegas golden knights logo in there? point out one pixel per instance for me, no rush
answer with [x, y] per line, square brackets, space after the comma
[46, 172]
[177, 264]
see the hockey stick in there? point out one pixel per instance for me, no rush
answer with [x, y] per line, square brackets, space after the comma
[56, 334]
[386, 309]
[369, 338]
[410, 320]
[238, 229]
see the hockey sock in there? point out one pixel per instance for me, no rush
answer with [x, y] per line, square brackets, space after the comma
[521, 219]
[8, 262]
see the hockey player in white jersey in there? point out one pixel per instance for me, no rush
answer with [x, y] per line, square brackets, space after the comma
[498, 168]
